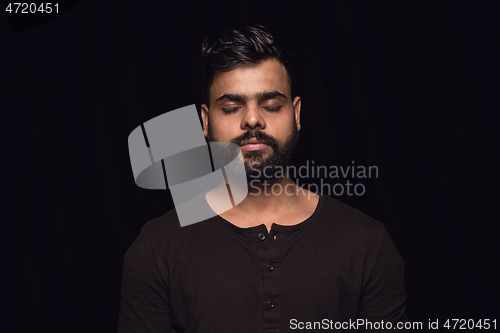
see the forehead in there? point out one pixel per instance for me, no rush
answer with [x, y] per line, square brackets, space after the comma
[250, 79]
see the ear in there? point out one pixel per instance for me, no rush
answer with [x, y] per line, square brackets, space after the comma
[204, 118]
[296, 109]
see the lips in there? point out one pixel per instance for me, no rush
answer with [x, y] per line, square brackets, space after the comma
[252, 145]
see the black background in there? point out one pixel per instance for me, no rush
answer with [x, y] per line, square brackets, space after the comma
[411, 87]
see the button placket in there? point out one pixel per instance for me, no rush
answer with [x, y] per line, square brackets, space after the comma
[272, 286]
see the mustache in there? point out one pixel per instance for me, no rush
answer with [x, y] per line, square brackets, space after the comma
[261, 136]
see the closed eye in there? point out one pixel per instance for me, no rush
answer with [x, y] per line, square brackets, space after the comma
[230, 110]
[272, 108]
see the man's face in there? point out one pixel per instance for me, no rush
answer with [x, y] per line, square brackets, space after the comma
[252, 107]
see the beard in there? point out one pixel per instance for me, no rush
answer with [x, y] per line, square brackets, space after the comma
[259, 168]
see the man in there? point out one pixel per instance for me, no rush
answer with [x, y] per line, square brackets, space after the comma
[278, 261]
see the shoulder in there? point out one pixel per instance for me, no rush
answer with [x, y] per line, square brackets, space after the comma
[167, 223]
[159, 231]
[154, 236]
[357, 233]
[348, 227]
[337, 213]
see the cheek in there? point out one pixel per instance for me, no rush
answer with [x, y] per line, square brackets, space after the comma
[285, 126]
[223, 131]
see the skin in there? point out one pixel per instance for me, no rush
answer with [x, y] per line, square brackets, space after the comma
[273, 114]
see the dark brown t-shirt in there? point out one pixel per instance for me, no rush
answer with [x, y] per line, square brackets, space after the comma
[325, 273]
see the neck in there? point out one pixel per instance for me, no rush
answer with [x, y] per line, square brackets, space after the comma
[269, 194]
[277, 200]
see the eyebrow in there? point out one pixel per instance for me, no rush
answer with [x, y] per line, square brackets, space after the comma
[259, 96]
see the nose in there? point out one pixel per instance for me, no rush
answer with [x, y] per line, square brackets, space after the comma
[252, 118]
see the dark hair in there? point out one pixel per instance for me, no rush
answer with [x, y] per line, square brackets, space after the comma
[231, 48]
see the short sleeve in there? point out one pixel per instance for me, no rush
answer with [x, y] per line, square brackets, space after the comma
[144, 305]
[384, 297]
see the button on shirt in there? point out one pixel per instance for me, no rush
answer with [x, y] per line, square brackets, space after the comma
[213, 276]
